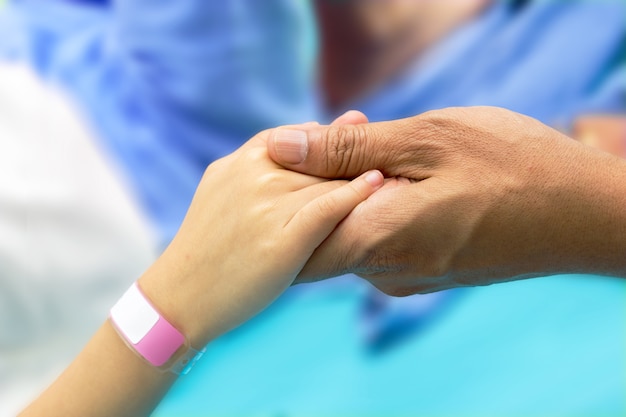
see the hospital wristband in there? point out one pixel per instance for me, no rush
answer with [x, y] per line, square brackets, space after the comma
[147, 333]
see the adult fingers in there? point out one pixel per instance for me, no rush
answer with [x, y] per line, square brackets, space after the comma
[360, 238]
[346, 150]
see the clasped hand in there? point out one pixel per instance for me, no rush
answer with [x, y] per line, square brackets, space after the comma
[472, 196]
[251, 227]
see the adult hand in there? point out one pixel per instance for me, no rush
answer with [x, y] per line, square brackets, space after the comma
[473, 196]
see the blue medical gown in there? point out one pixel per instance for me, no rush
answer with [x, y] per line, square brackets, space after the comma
[550, 60]
[170, 86]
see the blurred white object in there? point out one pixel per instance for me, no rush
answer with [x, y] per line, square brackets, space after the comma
[71, 236]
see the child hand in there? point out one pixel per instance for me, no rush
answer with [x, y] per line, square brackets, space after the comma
[251, 227]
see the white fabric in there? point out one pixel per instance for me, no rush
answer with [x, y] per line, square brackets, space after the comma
[72, 238]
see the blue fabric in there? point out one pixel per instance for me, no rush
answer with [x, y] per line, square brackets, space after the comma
[170, 86]
[545, 347]
[550, 60]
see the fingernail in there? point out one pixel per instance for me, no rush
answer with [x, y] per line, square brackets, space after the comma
[291, 145]
[374, 178]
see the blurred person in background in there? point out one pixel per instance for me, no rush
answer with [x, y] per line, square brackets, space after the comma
[554, 61]
[167, 88]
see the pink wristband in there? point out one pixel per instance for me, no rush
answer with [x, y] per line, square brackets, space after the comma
[150, 335]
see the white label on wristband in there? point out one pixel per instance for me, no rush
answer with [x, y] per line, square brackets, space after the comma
[134, 314]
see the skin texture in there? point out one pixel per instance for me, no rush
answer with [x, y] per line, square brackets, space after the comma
[250, 229]
[473, 196]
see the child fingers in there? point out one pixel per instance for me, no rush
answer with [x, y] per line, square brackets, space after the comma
[318, 218]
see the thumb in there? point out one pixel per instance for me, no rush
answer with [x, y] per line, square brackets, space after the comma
[351, 117]
[340, 150]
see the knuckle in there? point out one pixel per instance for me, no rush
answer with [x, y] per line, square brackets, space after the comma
[417, 146]
[324, 207]
[431, 263]
[216, 167]
[342, 143]
[435, 267]
[401, 272]
[268, 180]
[378, 263]
[256, 154]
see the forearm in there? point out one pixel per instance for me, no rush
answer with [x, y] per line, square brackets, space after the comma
[105, 379]
[268, 221]
[108, 378]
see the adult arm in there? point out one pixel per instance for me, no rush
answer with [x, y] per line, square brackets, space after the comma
[473, 196]
[249, 230]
